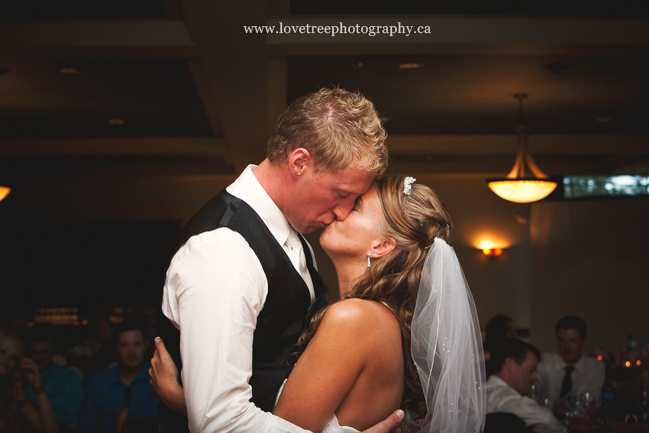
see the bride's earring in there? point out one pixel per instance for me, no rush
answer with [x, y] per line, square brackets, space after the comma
[368, 260]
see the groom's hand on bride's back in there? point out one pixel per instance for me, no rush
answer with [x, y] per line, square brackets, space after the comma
[390, 424]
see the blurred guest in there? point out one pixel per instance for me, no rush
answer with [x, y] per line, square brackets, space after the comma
[17, 412]
[122, 393]
[497, 330]
[508, 386]
[97, 350]
[569, 373]
[63, 386]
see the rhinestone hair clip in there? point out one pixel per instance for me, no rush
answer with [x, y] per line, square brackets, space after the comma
[407, 184]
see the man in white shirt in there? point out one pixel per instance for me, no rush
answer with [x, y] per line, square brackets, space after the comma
[507, 389]
[569, 373]
[230, 287]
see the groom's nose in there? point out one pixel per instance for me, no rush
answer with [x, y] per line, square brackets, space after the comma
[342, 209]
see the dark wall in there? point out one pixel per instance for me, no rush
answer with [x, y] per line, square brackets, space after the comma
[89, 264]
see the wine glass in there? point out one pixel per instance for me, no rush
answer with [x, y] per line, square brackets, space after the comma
[587, 402]
[644, 405]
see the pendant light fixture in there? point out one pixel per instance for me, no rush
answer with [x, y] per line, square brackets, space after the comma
[4, 190]
[526, 183]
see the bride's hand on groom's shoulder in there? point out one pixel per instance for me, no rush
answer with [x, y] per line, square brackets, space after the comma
[164, 378]
[390, 424]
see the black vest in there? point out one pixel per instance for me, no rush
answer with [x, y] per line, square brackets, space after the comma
[285, 311]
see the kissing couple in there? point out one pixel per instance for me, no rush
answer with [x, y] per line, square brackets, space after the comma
[243, 289]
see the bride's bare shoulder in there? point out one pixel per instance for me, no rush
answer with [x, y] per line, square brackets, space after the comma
[361, 314]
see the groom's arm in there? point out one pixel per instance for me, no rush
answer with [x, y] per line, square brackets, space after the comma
[214, 291]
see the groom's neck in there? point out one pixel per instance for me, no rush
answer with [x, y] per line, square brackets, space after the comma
[273, 179]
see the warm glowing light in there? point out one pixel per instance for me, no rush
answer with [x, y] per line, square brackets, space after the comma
[599, 358]
[489, 244]
[638, 362]
[486, 245]
[627, 364]
[522, 190]
[409, 65]
[491, 248]
[4, 191]
[69, 70]
[492, 252]
[525, 183]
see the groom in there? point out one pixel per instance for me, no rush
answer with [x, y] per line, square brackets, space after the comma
[244, 282]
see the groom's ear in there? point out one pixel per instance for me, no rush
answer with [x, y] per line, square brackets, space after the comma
[298, 161]
[383, 247]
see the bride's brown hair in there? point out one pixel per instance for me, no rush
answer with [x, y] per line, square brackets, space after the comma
[414, 221]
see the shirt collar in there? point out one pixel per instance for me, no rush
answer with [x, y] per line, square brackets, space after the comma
[496, 381]
[248, 189]
[561, 364]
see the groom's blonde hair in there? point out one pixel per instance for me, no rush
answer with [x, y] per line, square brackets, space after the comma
[340, 129]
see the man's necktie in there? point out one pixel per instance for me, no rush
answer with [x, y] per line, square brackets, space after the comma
[298, 258]
[566, 385]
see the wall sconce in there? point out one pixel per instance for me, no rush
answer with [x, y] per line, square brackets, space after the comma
[491, 247]
[492, 253]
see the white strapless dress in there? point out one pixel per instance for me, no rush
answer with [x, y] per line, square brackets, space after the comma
[333, 427]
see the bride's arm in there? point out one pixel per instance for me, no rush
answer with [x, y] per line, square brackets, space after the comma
[306, 387]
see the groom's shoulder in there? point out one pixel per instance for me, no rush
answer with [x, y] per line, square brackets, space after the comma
[215, 248]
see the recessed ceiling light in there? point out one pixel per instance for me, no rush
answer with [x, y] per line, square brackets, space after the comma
[603, 119]
[409, 65]
[116, 121]
[558, 67]
[69, 70]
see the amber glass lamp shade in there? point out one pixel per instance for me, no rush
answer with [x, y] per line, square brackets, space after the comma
[526, 183]
[4, 191]
[521, 190]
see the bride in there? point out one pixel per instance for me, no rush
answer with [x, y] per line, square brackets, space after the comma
[405, 333]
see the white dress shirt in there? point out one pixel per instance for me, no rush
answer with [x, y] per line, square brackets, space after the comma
[503, 398]
[588, 376]
[214, 291]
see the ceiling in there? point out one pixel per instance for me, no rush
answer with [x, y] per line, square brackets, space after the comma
[177, 87]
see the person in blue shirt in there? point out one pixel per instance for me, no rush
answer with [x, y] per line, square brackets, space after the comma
[63, 386]
[120, 397]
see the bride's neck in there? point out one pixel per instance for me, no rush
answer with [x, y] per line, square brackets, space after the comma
[349, 273]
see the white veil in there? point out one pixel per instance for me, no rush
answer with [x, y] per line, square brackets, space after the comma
[447, 348]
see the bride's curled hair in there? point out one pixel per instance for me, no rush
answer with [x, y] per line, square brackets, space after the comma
[414, 221]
